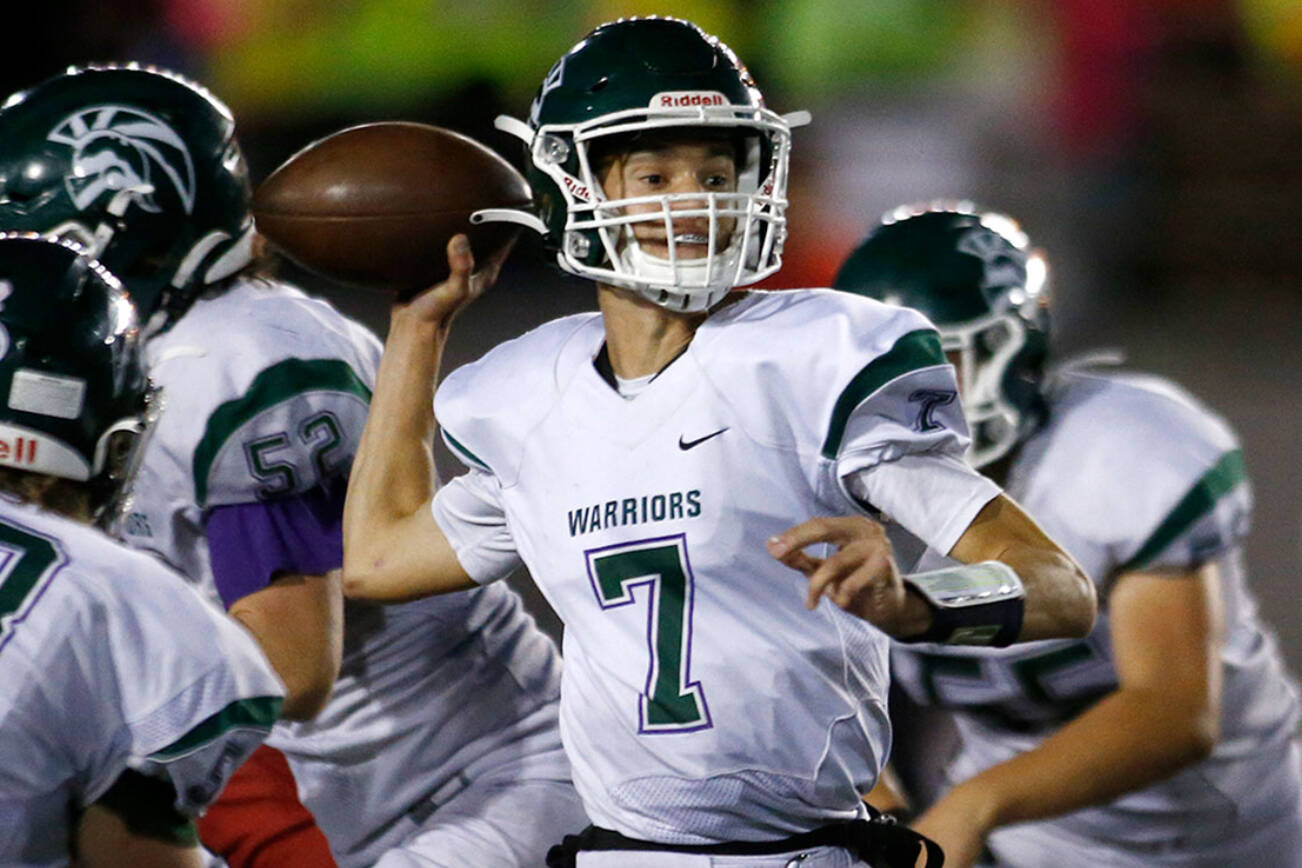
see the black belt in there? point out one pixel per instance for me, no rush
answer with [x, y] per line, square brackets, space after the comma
[880, 842]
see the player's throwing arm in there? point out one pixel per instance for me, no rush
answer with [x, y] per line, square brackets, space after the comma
[393, 549]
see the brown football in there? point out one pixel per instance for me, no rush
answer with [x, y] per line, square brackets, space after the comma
[375, 205]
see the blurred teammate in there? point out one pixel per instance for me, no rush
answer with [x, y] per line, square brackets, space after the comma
[125, 700]
[1165, 737]
[655, 465]
[440, 736]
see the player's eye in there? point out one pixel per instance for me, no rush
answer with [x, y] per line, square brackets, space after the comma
[718, 181]
[651, 179]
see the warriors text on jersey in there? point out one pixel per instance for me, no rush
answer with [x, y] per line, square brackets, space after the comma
[701, 701]
[1130, 473]
[109, 662]
[266, 395]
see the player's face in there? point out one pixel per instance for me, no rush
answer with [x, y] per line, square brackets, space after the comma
[674, 167]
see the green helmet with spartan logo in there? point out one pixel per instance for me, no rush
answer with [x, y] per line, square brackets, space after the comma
[137, 165]
[975, 275]
[655, 76]
[73, 383]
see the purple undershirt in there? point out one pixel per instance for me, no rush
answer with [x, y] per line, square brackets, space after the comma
[250, 544]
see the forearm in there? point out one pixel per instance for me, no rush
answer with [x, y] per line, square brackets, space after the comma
[1131, 739]
[1060, 599]
[298, 623]
[393, 472]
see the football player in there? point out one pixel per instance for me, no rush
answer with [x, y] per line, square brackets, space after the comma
[661, 467]
[423, 743]
[1165, 737]
[125, 700]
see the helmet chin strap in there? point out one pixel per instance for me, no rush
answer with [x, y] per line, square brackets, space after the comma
[661, 281]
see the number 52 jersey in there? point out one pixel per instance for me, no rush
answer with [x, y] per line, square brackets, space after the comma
[701, 701]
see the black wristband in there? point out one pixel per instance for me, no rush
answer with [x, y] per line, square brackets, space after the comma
[978, 604]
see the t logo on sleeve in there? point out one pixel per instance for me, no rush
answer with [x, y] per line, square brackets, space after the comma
[930, 399]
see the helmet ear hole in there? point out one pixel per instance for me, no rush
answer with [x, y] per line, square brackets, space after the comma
[118, 450]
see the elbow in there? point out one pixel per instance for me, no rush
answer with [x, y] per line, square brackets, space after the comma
[360, 571]
[1078, 602]
[359, 583]
[307, 693]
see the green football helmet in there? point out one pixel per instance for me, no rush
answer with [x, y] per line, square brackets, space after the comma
[140, 167]
[72, 367]
[976, 277]
[643, 75]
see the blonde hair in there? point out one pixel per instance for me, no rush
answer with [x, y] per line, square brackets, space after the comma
[64, 496]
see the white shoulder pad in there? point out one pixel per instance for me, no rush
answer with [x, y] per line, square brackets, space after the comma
[1150, 473]
[265, 392]
[803, 362]
[296, 425]
[486, 408]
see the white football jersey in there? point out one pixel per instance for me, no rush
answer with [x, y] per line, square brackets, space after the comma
[701, 701]
[1128, 473]
[109, 662]
[266, 392]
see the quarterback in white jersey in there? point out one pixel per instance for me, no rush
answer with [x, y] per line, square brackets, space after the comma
[1165, 737]
[125, 700]
[426, 731]
[657, 466]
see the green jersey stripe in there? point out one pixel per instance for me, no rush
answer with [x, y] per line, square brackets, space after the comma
[915, 350]
[259, 712]
[466, 455]
[1224, 476]
[277, 383]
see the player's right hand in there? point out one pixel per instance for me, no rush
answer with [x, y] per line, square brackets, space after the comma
[439, 304]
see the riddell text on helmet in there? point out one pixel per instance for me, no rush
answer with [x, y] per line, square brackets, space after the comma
[688, 99]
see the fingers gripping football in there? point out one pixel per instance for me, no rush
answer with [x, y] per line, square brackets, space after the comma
[440, 303]
[860, 576]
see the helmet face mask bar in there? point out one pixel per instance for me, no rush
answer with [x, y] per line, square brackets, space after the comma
[748, 252]
[981, 352]
[656, 79]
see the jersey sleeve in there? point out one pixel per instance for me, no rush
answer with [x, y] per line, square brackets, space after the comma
[1211, 517]
[1153, 479]
[197, 695]
[934, 495]
[250, 544]
[896, 435]
[295, 427]
[469, 512]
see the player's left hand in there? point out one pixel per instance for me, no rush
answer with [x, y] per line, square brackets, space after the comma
[959, 824]
[860, 577]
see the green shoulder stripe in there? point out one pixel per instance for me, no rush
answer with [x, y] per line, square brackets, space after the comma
[465, 454]
[277, 383]
[1224, 476]
[260, 712]
[915, 350]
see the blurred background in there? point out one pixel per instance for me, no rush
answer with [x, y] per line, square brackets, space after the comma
[1153, 147]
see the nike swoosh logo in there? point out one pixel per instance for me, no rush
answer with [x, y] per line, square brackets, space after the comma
[690, 444]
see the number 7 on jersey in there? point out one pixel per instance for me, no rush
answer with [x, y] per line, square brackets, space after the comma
[670, 702]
